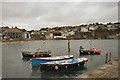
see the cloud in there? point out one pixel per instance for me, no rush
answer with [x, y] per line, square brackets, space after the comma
[0, 14]
[60, 0]
[34, 15]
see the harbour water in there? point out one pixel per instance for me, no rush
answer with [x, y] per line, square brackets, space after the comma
[14, 66]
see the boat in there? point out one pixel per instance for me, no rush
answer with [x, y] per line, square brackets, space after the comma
[38, 61]
[91, 51]
[28, 54]
[36, 54]
[63, 64]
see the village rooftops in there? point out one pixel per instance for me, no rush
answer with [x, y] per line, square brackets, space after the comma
[13, 30]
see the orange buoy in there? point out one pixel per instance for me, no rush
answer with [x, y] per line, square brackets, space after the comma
[56, 67]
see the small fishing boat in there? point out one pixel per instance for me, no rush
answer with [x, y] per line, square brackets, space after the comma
[27, 54]
[63, 64]
[36, 54]
[38, 61]
[91, 51]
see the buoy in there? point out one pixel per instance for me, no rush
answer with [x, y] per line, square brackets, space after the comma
[33, 55]
[88, 52]
[56, 67]
[85, 62]
[50, 55]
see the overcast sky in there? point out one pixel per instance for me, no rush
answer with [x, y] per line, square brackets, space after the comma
[34, 15]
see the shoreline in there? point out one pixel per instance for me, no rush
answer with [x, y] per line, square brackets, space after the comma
[105, 71]
[8, 41]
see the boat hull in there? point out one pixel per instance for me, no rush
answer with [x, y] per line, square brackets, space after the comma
[56, 67]
[37, 62]
[88, 52]
[26, 54]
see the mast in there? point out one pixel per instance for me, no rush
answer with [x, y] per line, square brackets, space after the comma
[40, 47]
[68, 47]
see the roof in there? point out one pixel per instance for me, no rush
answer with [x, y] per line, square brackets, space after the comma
[12, 30]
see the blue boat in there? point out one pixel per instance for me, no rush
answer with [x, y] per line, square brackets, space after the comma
[38, 61]
[63, 64]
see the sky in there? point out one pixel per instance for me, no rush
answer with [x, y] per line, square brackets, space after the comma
[36, 15]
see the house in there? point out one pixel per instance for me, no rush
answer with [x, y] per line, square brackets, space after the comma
[92, 27]
[59, 34]
[12, 33]
[56, 34]
[70, 33]
[26, 35]
[38, 35]
[15, 33]
[49, 35]
[84, 29]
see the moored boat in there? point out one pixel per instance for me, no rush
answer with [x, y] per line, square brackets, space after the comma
[28, 54]
[63, 64]
[91, 51]
[38, 61]
[36, 54]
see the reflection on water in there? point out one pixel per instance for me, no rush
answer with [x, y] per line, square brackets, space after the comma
[25, 59]
[59, 73]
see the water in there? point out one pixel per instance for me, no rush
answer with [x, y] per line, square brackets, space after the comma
[13, 66]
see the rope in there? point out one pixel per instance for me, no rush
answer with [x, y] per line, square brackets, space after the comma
[40, 47]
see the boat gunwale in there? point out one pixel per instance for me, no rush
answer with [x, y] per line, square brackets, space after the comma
[54, 58]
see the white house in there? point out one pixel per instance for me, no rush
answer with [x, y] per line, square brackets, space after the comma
[110, 27]
[92, 27]
[56, 34]
[26, 35]
[49, 36]
[84, 29]
[70, 33]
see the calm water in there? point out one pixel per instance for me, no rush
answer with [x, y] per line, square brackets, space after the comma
[13, 66]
